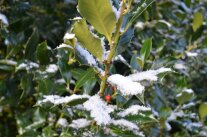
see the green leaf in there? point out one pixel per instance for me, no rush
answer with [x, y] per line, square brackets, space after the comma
[75, 102]
[122, 132]
[26, 84]
[137, 11]
[124, 41]
[63, 65]
[184, 97]
[203, 110]
[144, 117]
[83, 78]
[164, 61]
[99, 14]
[89, 85]
[87, 40]
[140, 62]
[31, 45]
[133, 62]
[141, 98]
[197, 20]
[146, 49]
[76, 73]
[43, 53]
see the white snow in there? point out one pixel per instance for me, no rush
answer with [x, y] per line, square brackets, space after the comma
[4, 19]
[175, 114]
[89, 58]
[63, 122]
[180, 66]
[139, 25]
[27, 66]
[63, 45]
[191, 54]
[68, 36]
[77, 18]
[122, 59]
[165, 22]
[128, 125]
[125, 85]
[56, 100]
[105, 54]
[98, 110]
[125, 124]
[80, 123]
[133, 110]
[150, 75]
[10, 62]
[188, 90]
[52, 68]
[116, 12]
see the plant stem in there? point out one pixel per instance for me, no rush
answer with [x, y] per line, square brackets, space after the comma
[113, 44]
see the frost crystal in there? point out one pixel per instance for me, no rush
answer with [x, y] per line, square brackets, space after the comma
[133, 110]
[80, 123]
[126, 85]
[150, 75]
[63, 122]
[98, 110]
[89, 58]
[3, 19]
[56, 100]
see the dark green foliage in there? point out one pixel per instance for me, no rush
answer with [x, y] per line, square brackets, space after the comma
[161, 36]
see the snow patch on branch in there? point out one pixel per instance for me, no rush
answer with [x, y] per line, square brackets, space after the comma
[98, 110]
[150, 75]
[56, 100]
[125, 85]
[133, 110]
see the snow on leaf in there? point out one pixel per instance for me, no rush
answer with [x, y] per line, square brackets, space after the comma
[125, 85]
[80, 123]
[150, 75]
[127, 125]
[56, 100]
[87, 56]
[3, 18]
[98, 110]
[52, 68]
[69, 36]
[133, 110]
[27, 66]
[64, 46]
[62, 122]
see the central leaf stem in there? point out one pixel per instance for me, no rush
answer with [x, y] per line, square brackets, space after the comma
[113, 43]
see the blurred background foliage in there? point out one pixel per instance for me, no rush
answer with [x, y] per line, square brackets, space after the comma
[36, 27]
